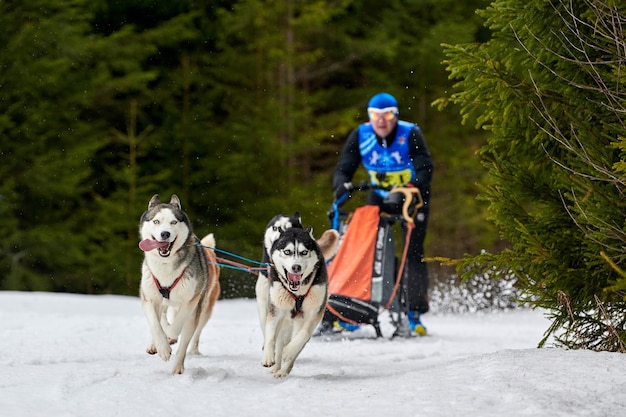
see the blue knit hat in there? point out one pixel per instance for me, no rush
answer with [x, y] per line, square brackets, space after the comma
[383, 101]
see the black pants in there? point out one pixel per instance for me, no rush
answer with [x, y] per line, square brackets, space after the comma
[417, 269]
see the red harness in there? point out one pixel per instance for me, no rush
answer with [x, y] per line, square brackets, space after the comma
[297, 310]
[165, 291]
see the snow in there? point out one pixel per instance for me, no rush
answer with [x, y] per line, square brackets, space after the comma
[81, 355]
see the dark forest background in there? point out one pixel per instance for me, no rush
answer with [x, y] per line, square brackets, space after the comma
[239, 107]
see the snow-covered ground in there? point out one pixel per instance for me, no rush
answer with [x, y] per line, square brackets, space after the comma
[78, 355]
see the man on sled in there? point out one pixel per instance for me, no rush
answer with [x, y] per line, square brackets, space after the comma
[394, 154]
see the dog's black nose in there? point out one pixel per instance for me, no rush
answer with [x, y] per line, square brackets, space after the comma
[296, 269]
[165, 235]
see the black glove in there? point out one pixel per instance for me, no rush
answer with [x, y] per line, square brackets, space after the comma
[392, 203]
[346, 187]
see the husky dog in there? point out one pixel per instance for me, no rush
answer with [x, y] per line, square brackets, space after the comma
[297, 298]
[328, 243]
[179, 280]
[273, 230]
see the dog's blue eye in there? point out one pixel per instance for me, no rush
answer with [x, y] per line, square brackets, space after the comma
[287, 252]
[304, 253]
[174, 222]
[274, 228]
[156, 222]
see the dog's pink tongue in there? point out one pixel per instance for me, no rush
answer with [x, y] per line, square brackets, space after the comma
[294, 277]
[147, 245]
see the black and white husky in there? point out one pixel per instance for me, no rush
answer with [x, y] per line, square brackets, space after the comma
[273, 230]
[298, 291]
[328, 243]
[179, 280]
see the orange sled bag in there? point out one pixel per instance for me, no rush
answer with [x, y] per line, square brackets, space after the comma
[361, 275]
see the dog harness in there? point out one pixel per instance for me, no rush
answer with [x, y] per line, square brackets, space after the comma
[165, 291]
[297, 309]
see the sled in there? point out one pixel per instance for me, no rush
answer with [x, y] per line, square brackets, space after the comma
[365, 276]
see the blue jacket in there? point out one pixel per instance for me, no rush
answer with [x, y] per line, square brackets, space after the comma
[420, 160]
[387, 164]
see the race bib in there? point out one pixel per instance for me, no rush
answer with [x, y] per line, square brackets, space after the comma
[390, 179]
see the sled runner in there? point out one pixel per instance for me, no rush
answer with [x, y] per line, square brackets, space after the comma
[365, 276]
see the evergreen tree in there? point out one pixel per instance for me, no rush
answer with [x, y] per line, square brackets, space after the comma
[145, 149]
[238, 107]
[74, 131]
[45, 142]
[456, 223]
[548, 88]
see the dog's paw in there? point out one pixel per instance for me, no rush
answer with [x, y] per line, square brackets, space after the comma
[267, 361]
[172, 336]
[165, 354]
[280, 373]
[151, 349]
[163, 349]
[178, 370]
[268, 357]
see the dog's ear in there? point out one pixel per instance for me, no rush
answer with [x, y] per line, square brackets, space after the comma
[175, 202]
[329, 243]
[298, 218]
[310, 230]
[154, 201]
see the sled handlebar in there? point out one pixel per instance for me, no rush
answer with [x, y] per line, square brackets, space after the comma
[347, 195]
[408, 210]
[409, 193]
